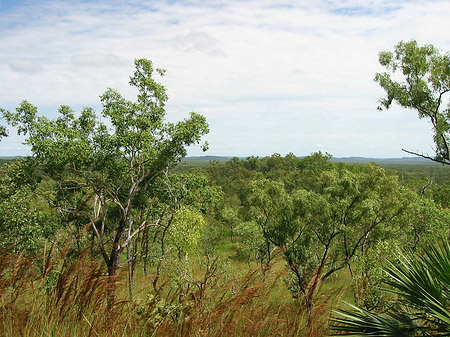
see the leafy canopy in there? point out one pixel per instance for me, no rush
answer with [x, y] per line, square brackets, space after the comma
[105, 168]
[321, 229]
[426, 80]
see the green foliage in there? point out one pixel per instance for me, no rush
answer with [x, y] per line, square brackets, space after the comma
[426, 74]
[3, 132]
[230, 218]
[426, 220]
[104, 169]
[441, 194]
[23, 227]
[251, 241]
[421, 283]
[112, 179]
[368, 274]
[154, 310]
[176, 189]
[186, 230]
[321, 229]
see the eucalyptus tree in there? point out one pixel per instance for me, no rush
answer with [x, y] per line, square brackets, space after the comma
[229, 217]
[320, 230]
[426, 83]
[112, 160]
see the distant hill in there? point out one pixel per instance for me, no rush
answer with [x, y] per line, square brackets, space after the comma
[204, 160]
[380, 161]
[7, 159]
[207, 159]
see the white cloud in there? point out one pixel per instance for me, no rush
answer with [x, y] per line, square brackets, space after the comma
[22, 65]
[197, 41]
[98, 60]
[270, 76]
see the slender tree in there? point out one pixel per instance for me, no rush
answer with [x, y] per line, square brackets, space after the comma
[112, 160]
[426, 83]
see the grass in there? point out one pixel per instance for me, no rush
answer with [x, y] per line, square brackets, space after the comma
[70, 300]
[232, 298]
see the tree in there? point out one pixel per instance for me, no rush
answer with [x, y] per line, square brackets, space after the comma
[426, 74]
[252, 243]
[112, 161]
[186, 197]
[320, 230]
[229, 217]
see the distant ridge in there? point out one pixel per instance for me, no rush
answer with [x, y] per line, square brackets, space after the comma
[402, 160]
[219, 158]
[349, 160]
[204, 160]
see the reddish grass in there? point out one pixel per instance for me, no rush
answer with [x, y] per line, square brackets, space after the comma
[69, 299]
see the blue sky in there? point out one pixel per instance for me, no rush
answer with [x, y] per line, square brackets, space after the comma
[270, 76]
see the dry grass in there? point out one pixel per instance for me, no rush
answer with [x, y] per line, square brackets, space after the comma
[69, 299]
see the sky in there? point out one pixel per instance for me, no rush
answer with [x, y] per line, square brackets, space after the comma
[269, 76]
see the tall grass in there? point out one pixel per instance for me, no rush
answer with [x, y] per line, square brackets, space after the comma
[69, 299]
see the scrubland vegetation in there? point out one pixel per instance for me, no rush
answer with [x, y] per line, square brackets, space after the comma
[102, 234]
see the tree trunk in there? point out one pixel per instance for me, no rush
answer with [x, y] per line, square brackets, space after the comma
[144, 250]
[113, 267]
[130, 274]
[309, 299]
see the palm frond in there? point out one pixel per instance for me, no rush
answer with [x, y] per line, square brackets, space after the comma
[422, 285]
[360, 322]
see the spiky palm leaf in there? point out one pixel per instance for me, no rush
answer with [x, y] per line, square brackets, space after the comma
[422, 285]
[360, 322]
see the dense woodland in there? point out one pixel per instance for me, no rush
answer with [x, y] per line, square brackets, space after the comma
[105, 233]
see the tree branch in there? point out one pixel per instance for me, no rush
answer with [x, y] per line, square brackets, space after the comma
[143, 226]
[443, 162]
